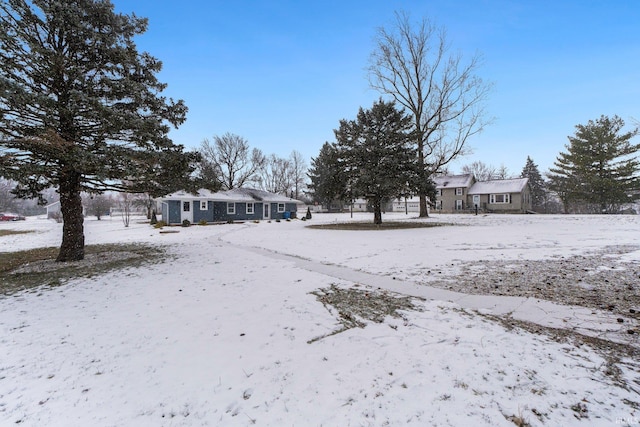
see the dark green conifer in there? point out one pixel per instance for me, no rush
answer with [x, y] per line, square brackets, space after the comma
[536, 184]
[599, 171]
[81, 109]
[377, 154]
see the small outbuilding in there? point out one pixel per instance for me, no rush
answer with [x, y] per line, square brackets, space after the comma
[239, 204]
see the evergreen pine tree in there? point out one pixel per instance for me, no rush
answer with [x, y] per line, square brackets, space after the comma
[81, 109]
[328, 180]
[536, 184]
[377, 154]
[599, 171]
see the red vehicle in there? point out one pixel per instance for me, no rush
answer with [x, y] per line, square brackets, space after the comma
[11, 217]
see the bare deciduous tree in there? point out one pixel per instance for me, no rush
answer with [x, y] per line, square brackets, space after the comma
[441, 91]
[298, 173]
[8, 201]
[503, 173]
[228, 162]
[126, 207]
[98, 204]
[481, 171]
[275, 175]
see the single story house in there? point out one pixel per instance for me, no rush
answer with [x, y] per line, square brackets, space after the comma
[456, 193]
[502, 195]
[239, 204]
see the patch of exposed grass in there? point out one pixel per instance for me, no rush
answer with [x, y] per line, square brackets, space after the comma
[356, 306]
[35, 268]
[10, 232]
[390, 225]
[12, 260]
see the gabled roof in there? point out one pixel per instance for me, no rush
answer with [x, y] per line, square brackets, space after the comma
[499, 186]
[235, 195]
[184, 195]
[251, 195]
[453, 181]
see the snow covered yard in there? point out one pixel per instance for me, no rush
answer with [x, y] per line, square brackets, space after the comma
[229, 330]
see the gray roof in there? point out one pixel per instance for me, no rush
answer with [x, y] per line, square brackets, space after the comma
[453, 181]
[251, 195]
[499, 186]
[235, 195]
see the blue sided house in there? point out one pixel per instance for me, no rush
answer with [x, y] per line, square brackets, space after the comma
[240, 204]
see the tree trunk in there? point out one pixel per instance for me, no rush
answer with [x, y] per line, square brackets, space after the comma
[377, 212]
[72, 248]
[424, 212]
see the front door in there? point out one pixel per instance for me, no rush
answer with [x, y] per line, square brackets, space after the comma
[187, 211]
[266, 208]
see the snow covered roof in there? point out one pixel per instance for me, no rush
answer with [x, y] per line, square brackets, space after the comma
[235, 195]
[453, 181]
[185, 195]
[499, 186]
[251, 194]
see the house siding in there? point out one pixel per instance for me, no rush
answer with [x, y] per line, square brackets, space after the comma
[291, 208]
[202, 214]
[450, 202]
[171, 212]
[241, 211]
[216, 206]
[220, 212]
[518, 203]
[448, 199]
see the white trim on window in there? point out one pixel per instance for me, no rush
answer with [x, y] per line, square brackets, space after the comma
[459, 205]
[281, 207]
[203, 205]
[439, 192]
[499, 199]
[250, 208]
[231, 208]
[459, 191]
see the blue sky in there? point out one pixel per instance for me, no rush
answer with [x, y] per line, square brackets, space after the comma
[283, 73]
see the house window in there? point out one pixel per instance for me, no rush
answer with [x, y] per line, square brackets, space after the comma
[459, 205]
[203, 205]
[459, 191]
[249, 208]
[231, 208]
[499, 198]
[186, 206]
[439, 192]
[438, 204]
[280, 207]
